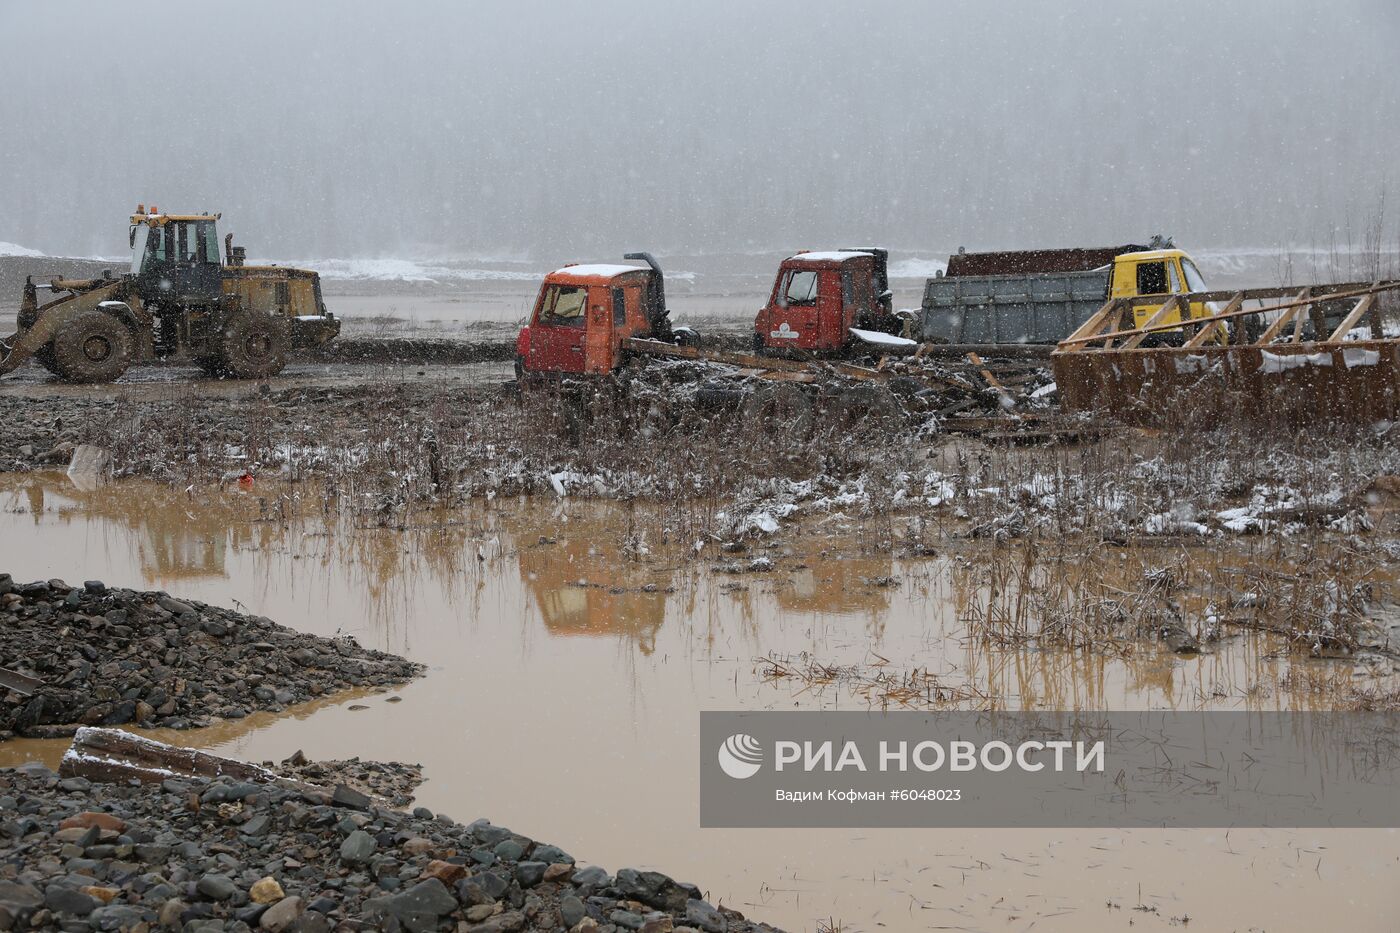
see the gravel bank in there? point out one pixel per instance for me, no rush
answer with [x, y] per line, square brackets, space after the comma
[229, 856]
[109, 656]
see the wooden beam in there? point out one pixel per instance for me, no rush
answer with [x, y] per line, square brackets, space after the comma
[1299, 315]
[1350, 321]
[1289, 312]
[1205, 333]
[1085, 331]
[1007, 401]
[1157, 317]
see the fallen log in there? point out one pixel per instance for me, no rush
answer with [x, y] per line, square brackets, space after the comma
[115, 756]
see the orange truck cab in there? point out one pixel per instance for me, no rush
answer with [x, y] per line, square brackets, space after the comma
[818, 298]
[584, 312]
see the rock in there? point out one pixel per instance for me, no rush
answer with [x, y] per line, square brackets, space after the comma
[20, 899]
[346, 796]
[530, 874]
[571, 910]
[705, 917]
[479, 912]
[104, 894]
[282, 915]
[551, 854]
[171, 912]
[116, 917]
[418, 846]
[592, 876]
[446, 872]
[586, 925]
[257, 826]
[507, 922]
[509, 849]
[558, 872]
[651, 888]
[216, 887]
[357, 848]
[416, 909]
[266, 891]
[92, 818]
[174, 606]
[63, 899]
[152, 854]
[474, 893]
[626, 919]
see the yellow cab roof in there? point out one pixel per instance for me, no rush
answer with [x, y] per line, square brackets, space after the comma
[1150, 254]
[158, 219]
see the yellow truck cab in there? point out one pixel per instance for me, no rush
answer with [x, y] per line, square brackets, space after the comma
[1163, 272]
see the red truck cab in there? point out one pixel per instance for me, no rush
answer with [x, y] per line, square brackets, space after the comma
[818, 297]
[584, 312]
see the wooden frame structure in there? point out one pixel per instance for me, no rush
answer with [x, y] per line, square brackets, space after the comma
[1250, 359]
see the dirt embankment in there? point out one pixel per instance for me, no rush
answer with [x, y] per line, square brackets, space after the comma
[108, 656]
[238, 855]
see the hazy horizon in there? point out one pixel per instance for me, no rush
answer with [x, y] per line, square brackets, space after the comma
[544, 130]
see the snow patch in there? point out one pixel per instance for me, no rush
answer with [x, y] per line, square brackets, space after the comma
[14, 249]
[882, 340]
[917, 269]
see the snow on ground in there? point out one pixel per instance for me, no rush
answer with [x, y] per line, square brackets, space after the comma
[14, 249]
[917, 268]
[405, 270]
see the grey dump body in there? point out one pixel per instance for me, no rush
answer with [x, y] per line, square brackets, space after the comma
[981, 309]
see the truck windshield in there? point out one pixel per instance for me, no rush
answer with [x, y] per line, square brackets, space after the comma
[801, 288]
[1194, 282]
[563, 305]
[138, 247]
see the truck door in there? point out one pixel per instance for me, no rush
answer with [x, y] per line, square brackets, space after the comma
[1155, 277]
[557, 331]
[833, 315]
[599, 341]
[858, 295]
[793, 321]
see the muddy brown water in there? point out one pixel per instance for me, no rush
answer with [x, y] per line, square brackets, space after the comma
[563, 697]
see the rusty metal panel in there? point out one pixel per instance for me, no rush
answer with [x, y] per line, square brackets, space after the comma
[1290, 384]
[1037, 261]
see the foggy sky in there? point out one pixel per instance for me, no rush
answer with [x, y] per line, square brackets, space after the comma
[537, 130]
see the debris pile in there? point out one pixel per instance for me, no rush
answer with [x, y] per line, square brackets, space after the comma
[241, 854]
[107, 656]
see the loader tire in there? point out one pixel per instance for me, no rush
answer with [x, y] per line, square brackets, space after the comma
[44, 357]
[93, 347]
[252, 345]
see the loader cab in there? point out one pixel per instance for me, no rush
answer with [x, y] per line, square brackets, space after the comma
[582, 315]
[176, 257]
[818, 297]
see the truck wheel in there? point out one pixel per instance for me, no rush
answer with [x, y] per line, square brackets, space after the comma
[252, 345]
[93, 347]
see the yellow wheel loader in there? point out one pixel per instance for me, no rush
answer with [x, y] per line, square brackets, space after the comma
[179, 302]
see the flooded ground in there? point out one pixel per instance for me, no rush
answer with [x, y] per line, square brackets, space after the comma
[571, 645]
